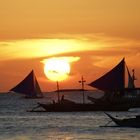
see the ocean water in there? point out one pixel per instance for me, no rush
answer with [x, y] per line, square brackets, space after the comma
[18, 124]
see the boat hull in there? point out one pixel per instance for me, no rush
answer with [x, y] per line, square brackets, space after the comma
[129, 122]
[81, 107]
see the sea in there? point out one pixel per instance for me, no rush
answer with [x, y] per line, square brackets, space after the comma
[17, 123]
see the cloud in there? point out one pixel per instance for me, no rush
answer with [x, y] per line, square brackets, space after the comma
[69, 59]
[62, 44]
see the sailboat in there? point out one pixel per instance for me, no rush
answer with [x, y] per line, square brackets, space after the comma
[113, 85]
[29, 87]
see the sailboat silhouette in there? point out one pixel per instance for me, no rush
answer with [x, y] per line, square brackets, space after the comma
[29, 87]
[113, 85]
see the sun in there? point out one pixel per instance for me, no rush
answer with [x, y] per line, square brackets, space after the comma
[56, 69]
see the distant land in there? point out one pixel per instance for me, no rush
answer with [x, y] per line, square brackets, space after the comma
[70, 90]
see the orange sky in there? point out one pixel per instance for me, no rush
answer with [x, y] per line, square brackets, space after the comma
[99, 32]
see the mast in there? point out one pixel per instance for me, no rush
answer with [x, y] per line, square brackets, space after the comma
[82, 83]
[123, 73]
[58, 93]
[133, 77]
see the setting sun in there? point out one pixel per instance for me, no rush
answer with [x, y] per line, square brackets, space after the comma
[56, 69]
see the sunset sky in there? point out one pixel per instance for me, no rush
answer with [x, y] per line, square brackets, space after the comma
[94, 35]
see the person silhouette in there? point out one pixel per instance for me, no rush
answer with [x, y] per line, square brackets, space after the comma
[62, 98]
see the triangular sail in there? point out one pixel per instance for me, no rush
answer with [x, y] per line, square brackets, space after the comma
[130, 80]
[113, 80]
[29, 86]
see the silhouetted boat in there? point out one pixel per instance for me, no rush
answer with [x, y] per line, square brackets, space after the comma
[29, 87]
[65, 105]
[113, 85]
[72, 107]
[127, 122]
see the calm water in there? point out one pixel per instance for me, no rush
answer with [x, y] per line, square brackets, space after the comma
[17, 124]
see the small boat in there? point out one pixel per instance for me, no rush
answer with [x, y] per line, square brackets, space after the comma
[127, 122]
[29, 87]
